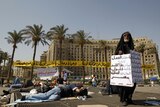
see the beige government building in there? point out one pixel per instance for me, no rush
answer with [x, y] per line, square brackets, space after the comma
[72, 52]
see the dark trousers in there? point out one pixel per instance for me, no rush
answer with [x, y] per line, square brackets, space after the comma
[126, 93]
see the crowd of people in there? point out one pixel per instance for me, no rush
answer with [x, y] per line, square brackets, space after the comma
[59, 88]
[47, 90]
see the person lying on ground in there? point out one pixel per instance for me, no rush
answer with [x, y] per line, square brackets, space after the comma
[27, 86]
[59, 92]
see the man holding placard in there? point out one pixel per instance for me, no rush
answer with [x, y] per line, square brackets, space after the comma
[125, 68]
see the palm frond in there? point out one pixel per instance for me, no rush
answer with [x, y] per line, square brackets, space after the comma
[27, 42]
[58, 32]
[82, 38]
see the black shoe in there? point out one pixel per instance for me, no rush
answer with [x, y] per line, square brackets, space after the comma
[23, 98]
[130, 101]
[5, 92]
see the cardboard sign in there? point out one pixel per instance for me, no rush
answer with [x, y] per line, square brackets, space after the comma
[47, 73]
[126, 69]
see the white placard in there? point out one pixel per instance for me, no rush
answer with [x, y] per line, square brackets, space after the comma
[47, 73]
[126, 69]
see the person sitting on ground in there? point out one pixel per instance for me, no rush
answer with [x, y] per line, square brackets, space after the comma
[36, 83]
[60, 80]
[45, 86]
[59, 92]
[53, 82]
[109, 89]
[16, 84]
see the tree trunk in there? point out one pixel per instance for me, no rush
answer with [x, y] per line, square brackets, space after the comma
[83, 67]
[4, 64]
[10, 67]
[34, 55]
[105, 53]
[144, 72]
[60, 57]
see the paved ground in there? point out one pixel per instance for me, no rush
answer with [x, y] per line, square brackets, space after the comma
[141, 95]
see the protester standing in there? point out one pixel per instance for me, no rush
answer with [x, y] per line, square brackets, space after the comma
[65, 76]
[124, 46]
[94, 81]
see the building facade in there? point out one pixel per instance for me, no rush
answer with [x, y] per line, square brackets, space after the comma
[94, 53]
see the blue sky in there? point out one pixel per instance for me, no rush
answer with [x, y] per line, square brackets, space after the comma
[103, 19]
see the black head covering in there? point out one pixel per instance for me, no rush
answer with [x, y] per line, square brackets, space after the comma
[122, 45]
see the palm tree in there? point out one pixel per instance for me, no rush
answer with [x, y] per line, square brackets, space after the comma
[58, 33]
[4, 57]
[104, 47]
[35, 34]
[70, 38]
[82, 38]
[14, 38]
